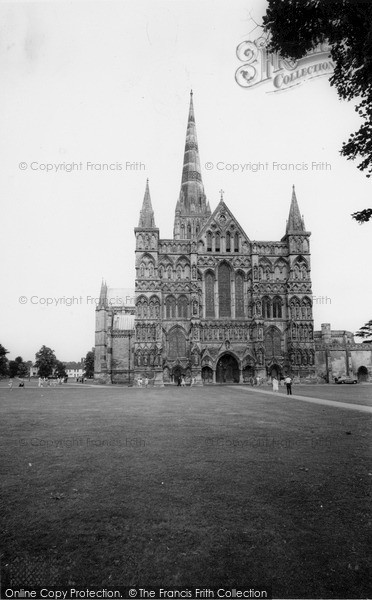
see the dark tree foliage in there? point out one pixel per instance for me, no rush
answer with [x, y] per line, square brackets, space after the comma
[18, 368]
[45, 361]
[365, 332]
[13, 368]
[23, 369]
[297, 26]
[60, 369]
[4, 363]
[89, 364]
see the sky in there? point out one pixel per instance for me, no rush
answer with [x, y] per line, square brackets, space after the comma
[95, 83]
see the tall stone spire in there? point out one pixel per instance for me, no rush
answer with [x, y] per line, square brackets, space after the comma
[295, 222]
[191, 209]
[103, 295]
[147, 219]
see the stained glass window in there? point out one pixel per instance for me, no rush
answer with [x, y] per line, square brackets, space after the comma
[239, 295]
[170, 306]
[177, 344]
[182, 307]
[272, 343]
[209, 295]
[224, 290]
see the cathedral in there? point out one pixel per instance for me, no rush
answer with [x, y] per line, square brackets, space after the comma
[211, 305]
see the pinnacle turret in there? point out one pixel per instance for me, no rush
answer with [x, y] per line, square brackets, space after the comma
[103, 295]
[295, 222]
[147, 219]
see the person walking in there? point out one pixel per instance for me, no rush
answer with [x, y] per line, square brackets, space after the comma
[183, 382]
[288, 383]
[10, 384]
[275, 383]
[146, 382]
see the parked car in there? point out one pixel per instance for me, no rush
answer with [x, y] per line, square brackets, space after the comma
[345, 380]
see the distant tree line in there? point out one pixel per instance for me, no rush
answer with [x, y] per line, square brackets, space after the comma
[46, 363]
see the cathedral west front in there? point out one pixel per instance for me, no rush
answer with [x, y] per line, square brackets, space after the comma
[210, 304]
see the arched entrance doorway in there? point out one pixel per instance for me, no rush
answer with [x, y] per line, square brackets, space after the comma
[177, 373]
[207, 375]
[362, 374]
[274, 371]
[248, 373]
[227, 369]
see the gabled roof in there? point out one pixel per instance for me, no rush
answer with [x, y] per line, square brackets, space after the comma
[223, 224]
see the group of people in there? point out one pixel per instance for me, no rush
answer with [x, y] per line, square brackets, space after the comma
[287, 382]
[255, 380]
[11, 384]
[180, 381]
[45, 381]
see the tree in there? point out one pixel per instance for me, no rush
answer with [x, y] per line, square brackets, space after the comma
[4, 363]
[45, 361]
[365, 332]
[23, 369]
[13, 368]
[18, 368]
[298, 26]
[89, 364]
[60, 369]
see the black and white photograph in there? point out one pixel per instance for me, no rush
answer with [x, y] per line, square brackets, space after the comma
[186, 306]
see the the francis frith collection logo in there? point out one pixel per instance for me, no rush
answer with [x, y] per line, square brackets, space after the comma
[262, 67]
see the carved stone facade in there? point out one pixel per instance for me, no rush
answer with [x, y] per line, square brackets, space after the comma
[211, 304]
[219, 307]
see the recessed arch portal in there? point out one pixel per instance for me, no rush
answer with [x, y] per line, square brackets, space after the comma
[227, 369]
[362, 374]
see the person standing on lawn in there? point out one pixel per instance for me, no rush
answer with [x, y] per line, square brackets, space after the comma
[275, 383]
[288, 383]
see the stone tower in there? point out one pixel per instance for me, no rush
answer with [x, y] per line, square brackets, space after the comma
[192, 208]
[300, 346]
[102, 341]
[148, 334]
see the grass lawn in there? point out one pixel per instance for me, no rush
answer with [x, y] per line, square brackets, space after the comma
[354, 394]
[179, 487]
